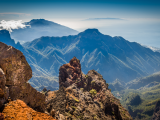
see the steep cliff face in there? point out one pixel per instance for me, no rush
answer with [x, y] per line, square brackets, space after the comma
[13, 63]
[14, 74]
[84, 97]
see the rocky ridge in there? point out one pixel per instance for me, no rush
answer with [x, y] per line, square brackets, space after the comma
[85, 97]
[80, 96]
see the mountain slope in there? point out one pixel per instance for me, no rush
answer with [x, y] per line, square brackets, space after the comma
[139, 96]
[113, 57]
[144, 82]
[41, 27]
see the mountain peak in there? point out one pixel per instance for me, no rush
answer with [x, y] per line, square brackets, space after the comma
[91, 32]
[37, 22]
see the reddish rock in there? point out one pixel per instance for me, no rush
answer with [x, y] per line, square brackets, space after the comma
[85, 97]
[29, 95]
[1, 116]
[4, 91]
[18, 110]
[2, 79]
[70, 73]
[13, 63]
[14, 74]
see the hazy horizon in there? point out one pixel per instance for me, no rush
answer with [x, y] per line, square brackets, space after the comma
[135, 21]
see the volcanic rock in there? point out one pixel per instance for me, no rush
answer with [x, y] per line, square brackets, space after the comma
[14, 74]
[2, 79]
[70, 73]
[29, 95]
[4, 91]
[13, 63]
[1, 116]
[84, 96]
[18, 110]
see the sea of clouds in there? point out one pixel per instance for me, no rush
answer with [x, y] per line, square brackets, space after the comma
[12, 24]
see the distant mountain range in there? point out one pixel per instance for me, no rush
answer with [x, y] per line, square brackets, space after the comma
[155, 49]
[137, 84]
[113, 57]
[41, 27]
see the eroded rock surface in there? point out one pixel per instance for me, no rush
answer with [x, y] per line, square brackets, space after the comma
[13, 63]
[4, 91]
[14, 74]
[18, 110]
[85, 97]
[70, 73]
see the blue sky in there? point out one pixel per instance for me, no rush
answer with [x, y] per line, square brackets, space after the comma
[135, 20]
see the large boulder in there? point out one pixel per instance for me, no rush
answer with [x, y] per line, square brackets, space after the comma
[13, 63]
[14, 74]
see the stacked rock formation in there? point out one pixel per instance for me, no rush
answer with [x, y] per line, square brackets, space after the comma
[85, 97]
[70, 73]
[14, 74]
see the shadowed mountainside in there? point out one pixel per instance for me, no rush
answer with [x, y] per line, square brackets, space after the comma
[113, 57]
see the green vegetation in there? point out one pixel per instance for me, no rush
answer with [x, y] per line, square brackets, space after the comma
[93, 92]
[86, 76]
[81, 89]
[132, 99]
[92, 82]
[107, 84]
[140, 102]
[73, 107]
[76, 100]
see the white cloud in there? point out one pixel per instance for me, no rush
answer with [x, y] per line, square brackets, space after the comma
[12, 24]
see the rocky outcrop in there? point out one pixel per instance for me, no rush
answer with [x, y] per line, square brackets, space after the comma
[14, 74]
[18, 110]
[29, 95]
[156, 114]
[85, 97]
[70, 73]
[13, 63]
